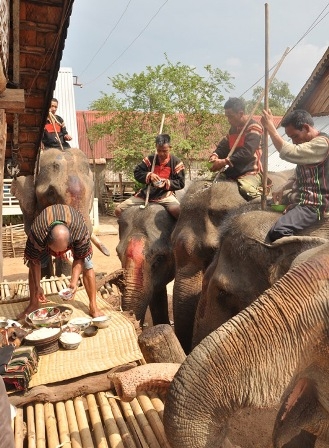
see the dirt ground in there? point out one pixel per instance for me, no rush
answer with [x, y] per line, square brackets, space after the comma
[14, 268]
[248, 429]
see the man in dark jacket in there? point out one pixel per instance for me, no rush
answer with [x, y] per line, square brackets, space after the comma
[167, 177]
[244, 164]
[55, 134]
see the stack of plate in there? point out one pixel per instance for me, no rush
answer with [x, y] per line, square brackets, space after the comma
[44, 339]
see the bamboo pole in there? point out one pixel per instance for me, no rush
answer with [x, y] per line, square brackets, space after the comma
[126, 436]
[265, 135]
[153, 418]
[111, 428]
[53, 286]
[96, 422]
[40, 425]
[157, 403]
[83, 425]
[133, 425]
[19, 428]
[63, 426]
[76, 441]
[144, 424]
[51, 427]
[31, 434]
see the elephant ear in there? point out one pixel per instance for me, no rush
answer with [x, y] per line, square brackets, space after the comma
[24, 190]
[292, 250]
[299, 411]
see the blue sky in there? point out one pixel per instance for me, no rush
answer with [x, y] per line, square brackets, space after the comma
[125, 36]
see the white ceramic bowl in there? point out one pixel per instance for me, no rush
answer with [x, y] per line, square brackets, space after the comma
[82, 322]
[101, 321]
[44, 316]
[65, 294]
[70, 341]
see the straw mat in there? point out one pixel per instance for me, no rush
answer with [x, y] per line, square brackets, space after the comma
[110, 347]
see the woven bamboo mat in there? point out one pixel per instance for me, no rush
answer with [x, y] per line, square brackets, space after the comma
[110, 347]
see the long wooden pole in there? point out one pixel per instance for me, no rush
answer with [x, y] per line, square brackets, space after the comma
[152, 168]
[266, 91]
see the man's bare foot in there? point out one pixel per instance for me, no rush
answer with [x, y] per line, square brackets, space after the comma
[26, 312]
[95, 312]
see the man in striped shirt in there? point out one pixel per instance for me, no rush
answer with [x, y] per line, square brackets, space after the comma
[244, 165]
[58, 229]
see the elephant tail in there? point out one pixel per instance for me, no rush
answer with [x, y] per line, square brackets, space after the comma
[97, 242]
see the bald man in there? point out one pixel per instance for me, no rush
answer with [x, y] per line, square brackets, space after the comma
[58, 229]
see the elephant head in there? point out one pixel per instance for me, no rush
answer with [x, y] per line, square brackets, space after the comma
[245, 265]
[62, 177]
[145, 253]
[195, 240]
[277, 346]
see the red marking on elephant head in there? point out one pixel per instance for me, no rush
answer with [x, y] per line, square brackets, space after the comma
[134, 258]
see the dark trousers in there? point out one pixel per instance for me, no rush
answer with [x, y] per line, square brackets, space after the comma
[298, 218]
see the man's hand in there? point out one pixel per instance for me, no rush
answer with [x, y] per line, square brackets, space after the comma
[41, 295]
[217, 164]
[67, 137]
[277, 196]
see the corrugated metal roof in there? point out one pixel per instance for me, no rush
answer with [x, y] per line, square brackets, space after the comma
[64, 93]
[86, 119]
[274, 161]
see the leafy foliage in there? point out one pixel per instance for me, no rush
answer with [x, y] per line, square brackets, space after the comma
[191, 102]
[279, 98]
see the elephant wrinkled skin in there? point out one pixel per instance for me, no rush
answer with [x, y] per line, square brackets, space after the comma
[277, 346]
[195, 240]
[245, 265]
[146, 254]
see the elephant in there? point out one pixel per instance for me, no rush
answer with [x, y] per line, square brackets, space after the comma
[276, 348]
[195, 240]
[62, 177]
[146, 255]
[245, 265]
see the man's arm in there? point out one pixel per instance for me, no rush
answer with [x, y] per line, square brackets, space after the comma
[77, 267]
[34, 282]
[268, 123]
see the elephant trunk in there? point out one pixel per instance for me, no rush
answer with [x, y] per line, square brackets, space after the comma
[135, 294]
[250, 359]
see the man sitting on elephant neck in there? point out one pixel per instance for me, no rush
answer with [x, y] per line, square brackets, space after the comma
[55, 134]
[167, 177]
[244, 164]
[58, 229]
[310, 151]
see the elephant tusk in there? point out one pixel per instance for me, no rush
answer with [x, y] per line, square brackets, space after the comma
[97, 242]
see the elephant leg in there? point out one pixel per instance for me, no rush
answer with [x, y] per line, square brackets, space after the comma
[297, 422]
[48, 271]
[159, 307]
[62, 267]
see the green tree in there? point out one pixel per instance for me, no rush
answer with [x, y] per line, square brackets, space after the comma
[279, 98]
[191, 103]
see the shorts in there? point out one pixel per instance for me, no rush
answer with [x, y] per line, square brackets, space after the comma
[87, 264]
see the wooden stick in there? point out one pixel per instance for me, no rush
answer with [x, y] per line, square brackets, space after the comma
[31, 434]
[84, 429]
[19, 428]
[40, 425]
[51, 428]
[157, 403]
[126, 436]
[96, 422]
[153, 164]
[63, 426]
[73, 425]
[53, 286]
[144, 424]
[133, 425]
[111, 428]
[153, 418]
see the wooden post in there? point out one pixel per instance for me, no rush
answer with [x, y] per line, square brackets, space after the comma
[3, 139]
[160, 344]
[265, 135]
